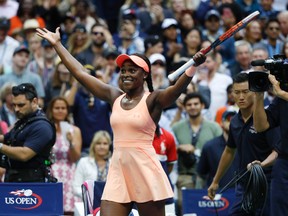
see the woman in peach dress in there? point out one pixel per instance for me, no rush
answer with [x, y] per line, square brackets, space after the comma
[135, 174]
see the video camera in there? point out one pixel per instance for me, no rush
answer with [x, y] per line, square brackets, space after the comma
[278, 66]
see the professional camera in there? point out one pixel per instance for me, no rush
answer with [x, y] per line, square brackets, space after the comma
[278, 66]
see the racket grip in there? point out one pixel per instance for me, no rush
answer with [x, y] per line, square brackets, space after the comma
[173, 76]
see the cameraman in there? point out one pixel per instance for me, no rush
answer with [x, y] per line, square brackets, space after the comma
[26, 149]
[276, 115]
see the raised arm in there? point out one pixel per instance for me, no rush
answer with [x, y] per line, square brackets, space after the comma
[97, 87]
[170, 94]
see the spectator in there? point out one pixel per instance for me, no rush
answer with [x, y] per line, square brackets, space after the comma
[19, 72]
[153, 44]
[283, 21]
[212, 25]
[212, 78]
[211, 155]
[89, 113]
[27, 10]
[272, 42]
[186, 22]
[192, 42]
[60, 82]
[152, 17]
[7, 112]
[8, 8]
[67, 26]
[7, 45]
[158, 71]
[95, 166]
[67, 149]
[129, 40]
[172, 41]
[243, 57]
[191, 133]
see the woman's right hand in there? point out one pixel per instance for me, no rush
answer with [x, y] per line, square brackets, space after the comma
[52, 37]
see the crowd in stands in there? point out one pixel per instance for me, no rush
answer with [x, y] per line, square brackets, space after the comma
[169, 33]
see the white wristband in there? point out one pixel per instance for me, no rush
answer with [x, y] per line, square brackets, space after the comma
[1, 145]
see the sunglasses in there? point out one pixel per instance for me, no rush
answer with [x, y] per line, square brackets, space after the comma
[23, 89]
[98, 33]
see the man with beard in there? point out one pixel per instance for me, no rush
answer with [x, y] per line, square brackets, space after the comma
[26, 149]
[191, 134]
[101, 41]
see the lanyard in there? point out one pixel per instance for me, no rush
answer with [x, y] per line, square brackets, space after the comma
[195, 135]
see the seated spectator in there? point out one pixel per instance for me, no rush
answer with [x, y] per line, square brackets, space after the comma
[95, 166]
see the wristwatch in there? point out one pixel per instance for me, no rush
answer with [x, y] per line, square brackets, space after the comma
[1, 145]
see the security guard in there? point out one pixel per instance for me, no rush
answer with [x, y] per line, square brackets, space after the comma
[26, 148]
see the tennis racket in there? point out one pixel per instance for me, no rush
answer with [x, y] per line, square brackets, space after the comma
[217, 42]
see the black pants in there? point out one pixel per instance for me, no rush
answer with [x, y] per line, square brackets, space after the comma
[25, 175]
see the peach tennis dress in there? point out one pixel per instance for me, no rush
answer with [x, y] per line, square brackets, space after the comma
[135, 173]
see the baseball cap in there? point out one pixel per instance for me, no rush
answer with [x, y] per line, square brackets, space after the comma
[69, 15]
[20, 49]
[212, 13]
[135, 59]
[129, 14]
[157, 57]
[113, 53]
[4, 23]
[30, 24]
[168, 22]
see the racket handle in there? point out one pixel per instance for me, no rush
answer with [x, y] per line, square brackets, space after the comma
[173, 76]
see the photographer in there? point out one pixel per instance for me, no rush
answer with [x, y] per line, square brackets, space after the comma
[26, 149]
[276, 115]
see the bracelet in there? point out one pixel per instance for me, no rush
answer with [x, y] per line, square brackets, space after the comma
[1, 146]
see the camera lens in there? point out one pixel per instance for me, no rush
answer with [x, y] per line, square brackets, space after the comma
[258, 81]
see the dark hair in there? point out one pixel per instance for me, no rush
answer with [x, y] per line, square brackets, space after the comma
[26, 89]
[240, 78]
[193, 95]
[149, 77]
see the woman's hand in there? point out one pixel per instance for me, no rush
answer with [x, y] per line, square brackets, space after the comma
[52, 37]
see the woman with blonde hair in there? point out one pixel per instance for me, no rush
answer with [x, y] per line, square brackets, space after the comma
[95, 166]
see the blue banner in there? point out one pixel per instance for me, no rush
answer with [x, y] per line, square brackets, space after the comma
[27, 199]
[196, 202]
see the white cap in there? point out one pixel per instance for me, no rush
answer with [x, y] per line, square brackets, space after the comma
[157, 57]
[168, 22]
[30, 24]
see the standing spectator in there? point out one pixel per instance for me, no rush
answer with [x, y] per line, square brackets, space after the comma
[191, 134]
[95, 165]
[7, 45]
[211, 155]
[19, 72]
[67, 149]
[212, 80]
[249, 146]
[90, 114]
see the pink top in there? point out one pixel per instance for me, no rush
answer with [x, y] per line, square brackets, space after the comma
[135, 173]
